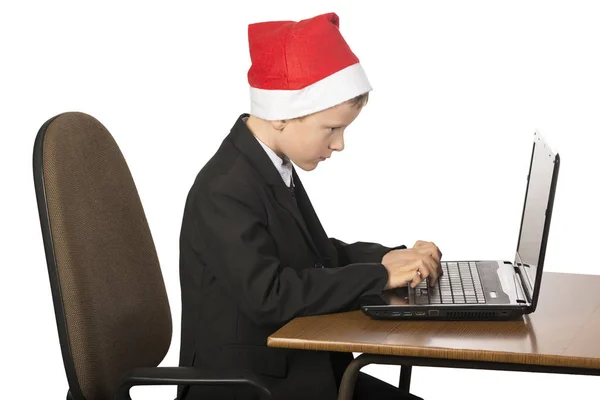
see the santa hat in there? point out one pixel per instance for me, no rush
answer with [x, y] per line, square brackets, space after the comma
[299, 68]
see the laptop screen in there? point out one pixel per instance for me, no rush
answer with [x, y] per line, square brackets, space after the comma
[534, 212]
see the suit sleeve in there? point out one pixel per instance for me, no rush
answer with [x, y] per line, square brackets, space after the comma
[361, 252]
[236, 246]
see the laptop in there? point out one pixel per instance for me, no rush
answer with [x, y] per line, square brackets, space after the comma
[487, 289]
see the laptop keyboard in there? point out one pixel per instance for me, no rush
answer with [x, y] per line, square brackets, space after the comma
[460, 284]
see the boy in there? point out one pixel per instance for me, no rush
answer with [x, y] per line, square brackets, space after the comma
[253, 252]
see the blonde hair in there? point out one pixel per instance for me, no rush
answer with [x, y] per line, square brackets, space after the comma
[360, 101]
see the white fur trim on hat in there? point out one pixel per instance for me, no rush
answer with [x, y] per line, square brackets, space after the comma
[328, 92]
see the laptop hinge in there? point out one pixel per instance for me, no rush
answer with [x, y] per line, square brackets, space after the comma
[522, 289]
[521, 297]
[526, 285]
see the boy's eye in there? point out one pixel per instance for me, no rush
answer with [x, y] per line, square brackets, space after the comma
[331, 130]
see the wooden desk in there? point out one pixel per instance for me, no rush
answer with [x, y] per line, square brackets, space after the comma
[561, 336]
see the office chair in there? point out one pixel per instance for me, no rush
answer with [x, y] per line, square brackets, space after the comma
[110, 302]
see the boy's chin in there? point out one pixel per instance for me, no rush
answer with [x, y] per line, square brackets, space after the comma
[307, 165]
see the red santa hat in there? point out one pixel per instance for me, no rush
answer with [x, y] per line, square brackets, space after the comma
[299, 68]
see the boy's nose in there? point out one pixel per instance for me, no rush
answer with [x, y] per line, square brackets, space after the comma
[337, 144]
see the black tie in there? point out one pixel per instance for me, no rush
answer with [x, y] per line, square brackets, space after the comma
[292, 190]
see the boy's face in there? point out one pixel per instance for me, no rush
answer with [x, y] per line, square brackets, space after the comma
[312, 139]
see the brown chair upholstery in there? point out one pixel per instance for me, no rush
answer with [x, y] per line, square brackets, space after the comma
[110, 302]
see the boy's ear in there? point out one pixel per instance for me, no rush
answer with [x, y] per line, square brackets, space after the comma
[278, 125]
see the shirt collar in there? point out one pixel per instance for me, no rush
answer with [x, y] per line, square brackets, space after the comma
[283, 165]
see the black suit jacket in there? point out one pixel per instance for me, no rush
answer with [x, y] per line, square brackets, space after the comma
[251, 259]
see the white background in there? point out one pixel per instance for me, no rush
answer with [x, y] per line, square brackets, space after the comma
[440, 153]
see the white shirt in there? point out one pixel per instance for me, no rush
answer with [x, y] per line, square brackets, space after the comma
[284, 166]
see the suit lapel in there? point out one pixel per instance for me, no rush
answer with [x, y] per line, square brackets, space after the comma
[285, 199]
[245, 141]
[325, 248]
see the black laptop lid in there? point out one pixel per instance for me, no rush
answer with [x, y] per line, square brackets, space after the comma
[537, 211]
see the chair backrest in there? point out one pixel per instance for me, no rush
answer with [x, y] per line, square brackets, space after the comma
[110, 302]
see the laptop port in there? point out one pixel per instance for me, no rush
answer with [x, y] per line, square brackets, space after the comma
[434, 313]
[407, 313]
[420, 313]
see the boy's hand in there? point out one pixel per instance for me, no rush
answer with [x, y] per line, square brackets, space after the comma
[413, 265]
[428, 248]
